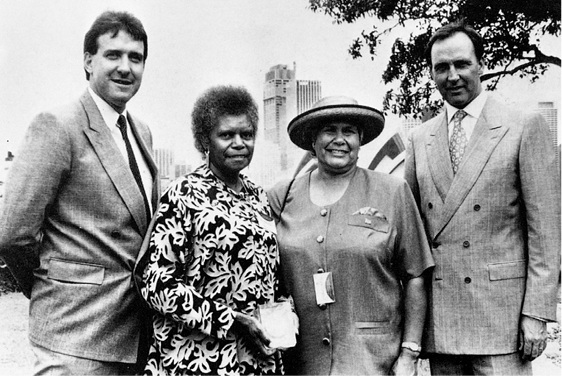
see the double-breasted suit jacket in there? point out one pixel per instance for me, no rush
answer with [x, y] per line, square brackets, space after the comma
[494, 229]
[71, 226]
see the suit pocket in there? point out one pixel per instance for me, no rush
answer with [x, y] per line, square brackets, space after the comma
[507, 270]
[372, 327]
[75, 272]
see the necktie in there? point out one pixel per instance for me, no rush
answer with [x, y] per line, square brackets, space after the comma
[122, 125]
[458, 141]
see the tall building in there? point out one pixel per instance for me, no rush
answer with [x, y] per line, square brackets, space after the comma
[165, 161]
[4, 168]
[284, 97]
[550, 114]
[278, 88]
[408, 124]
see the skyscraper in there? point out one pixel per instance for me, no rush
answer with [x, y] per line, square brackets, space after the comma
[550, 114]
[284, 98]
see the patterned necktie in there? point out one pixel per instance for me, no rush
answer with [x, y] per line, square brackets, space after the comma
[458, 141]
[122, 125]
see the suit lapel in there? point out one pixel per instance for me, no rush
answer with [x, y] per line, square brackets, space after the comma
[147, 158]
[113, 162]
[487, 133]
[439, 161]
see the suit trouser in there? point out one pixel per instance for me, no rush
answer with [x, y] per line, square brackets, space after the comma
[508, 364]
[51, 363]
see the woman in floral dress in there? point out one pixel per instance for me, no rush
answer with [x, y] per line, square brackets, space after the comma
[212, 255]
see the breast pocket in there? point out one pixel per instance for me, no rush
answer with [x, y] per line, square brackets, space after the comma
[369, 221]
[75, 272]
[368, 236]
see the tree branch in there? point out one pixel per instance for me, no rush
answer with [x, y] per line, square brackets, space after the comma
[545, 60]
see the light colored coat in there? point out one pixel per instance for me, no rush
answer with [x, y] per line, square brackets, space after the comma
[494, 228]
[71, 226]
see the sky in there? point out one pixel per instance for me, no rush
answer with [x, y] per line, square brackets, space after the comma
[192, 45]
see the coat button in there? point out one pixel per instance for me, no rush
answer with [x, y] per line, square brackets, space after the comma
[320, 270]
[430, 205]
[466, 244]
[115, 234]
[467, 280]
[326, 341]
[436, 244]
[320, 239]
[323, 212]
[476, 207]
[322, 306]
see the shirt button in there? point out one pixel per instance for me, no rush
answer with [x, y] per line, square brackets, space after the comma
[476, 207]
[323, 212]
[466, 244]
[467, 280]
[320, 239]
[430, 205]
[320, 270]
[326, 341]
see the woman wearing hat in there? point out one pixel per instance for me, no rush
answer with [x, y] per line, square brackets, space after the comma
[212, 255]
[353, 251]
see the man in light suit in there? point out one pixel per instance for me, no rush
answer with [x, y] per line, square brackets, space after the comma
[77, 205]
[487, 186]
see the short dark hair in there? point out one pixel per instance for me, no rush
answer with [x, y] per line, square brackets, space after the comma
[216, 102]
[448, 30]
[113, 22]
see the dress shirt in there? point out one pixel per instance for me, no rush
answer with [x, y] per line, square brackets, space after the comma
[473, 109]
[110, 117]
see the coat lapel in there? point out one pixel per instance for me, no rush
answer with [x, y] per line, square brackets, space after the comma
[439, 161]
[113, 162]
[145, 150]
[487, 133]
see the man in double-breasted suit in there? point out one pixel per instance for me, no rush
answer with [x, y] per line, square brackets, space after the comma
[78, 201]
[487, 185]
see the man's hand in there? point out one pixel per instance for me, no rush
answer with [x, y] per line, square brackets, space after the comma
[406, 364]
[532, 338]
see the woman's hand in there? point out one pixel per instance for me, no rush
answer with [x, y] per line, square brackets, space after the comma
[251, 329]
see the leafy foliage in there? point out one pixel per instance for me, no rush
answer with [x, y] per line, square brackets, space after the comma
[512, 30]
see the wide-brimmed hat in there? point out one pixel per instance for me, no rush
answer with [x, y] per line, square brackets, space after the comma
[304, 126]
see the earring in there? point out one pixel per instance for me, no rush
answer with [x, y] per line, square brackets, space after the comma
[206, 158]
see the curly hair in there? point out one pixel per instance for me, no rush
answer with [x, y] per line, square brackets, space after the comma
[215, 103]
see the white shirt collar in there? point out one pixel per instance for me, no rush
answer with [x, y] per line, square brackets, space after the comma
[108, 114]
[473, 109]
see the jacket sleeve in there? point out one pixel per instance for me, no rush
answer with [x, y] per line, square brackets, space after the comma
[38, 169]
[410, 169]
[540, 190]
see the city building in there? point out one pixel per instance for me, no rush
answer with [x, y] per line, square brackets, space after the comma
[165, 161]
[284, 97]
[5, 165]
[407, 125]
[550, 114]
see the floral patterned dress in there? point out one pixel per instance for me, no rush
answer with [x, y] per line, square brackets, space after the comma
[212, 252]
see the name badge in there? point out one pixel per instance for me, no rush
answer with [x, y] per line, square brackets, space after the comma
[324, 288]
